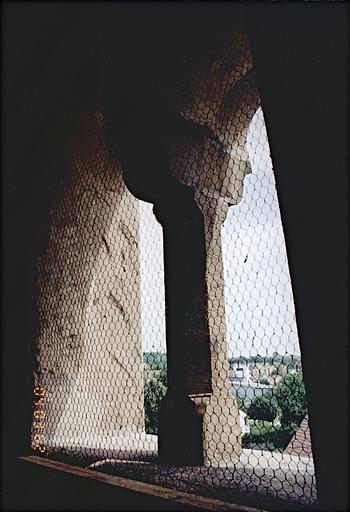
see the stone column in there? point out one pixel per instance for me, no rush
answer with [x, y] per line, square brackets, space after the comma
[221, 426]
[188, 355]
[205, 427]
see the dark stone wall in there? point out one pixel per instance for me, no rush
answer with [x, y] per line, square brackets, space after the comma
[301, 57]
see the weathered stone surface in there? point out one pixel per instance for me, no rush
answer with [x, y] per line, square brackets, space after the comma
[89, 341]
[89, 345]
[223, 101]
[271, 474]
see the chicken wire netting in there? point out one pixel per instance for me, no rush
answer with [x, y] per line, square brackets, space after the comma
[101, 369]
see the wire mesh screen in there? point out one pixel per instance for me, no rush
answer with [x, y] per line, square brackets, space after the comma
[89, 378]
[101, 376]
[153, 315]
[265, 371]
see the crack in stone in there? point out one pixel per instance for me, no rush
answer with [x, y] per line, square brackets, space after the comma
[120, 307]
[127, 233]
[116, 360]
[106, 244]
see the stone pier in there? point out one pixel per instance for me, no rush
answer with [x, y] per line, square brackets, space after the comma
[208, 157]
[89, 355]
[209, 433]
[221, 426]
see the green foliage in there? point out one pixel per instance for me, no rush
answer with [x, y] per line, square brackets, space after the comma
[155, 360]
[281, 370]
[288, 402]
[261, 427]
[290, 360]
[273, 437]
[291, 399]
[259, 433]
[281, 436]
[154, 391]
[278, 358]
[238, 360]
[163, 376]
[155, 387]
[241, 404]
[262, 408]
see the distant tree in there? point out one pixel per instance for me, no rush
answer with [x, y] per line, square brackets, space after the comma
[292, 366]
[290, 361]
[277, 358]
[163, 376]
[281, 437]
[155, 386]
[291, 399]
[232, 361]
[280, 370]
[155, 360]
[288, 402]
[287, 359]
[154, 390]
[241, 404]
[263, 408]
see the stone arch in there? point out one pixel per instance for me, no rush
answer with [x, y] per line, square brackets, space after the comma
[223, 102]
[197, 150]
[190, 131]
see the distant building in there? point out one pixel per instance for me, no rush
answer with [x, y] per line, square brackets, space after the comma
[240, 372]
[243, 420]
[272, 372]
[259, 370]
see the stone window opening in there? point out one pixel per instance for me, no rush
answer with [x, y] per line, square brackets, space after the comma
[91, 362]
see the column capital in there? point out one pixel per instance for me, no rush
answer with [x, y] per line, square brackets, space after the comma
[213, 206]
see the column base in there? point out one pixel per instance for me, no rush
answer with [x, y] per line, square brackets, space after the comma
[221, 429]
[180, 432]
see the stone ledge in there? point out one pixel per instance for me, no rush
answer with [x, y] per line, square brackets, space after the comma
[200, 502]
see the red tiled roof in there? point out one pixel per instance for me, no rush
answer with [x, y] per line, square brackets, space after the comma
[300, 444]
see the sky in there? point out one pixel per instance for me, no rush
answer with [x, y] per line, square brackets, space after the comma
[259, 306]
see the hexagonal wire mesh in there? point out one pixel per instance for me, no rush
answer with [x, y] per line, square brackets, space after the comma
[101, 371]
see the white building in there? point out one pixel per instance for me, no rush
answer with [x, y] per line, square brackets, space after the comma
[243, 420]
[241, 372]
